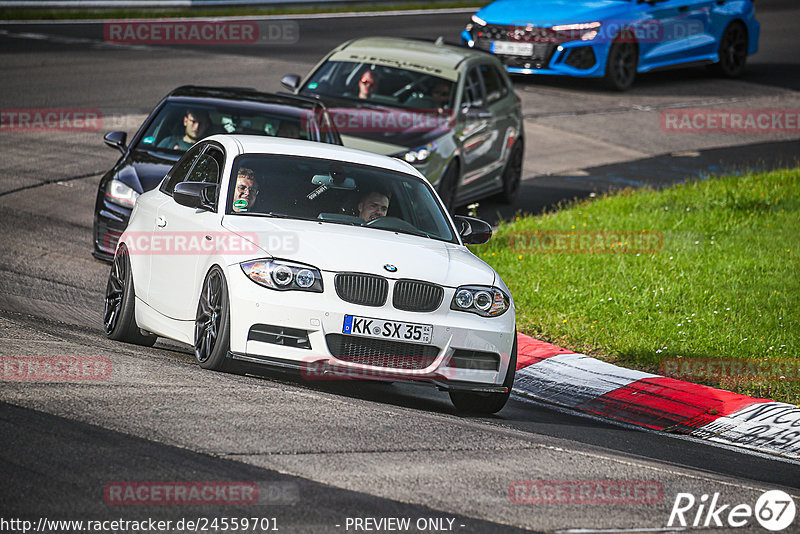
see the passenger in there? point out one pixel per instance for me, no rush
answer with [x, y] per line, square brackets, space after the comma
[368, 84]
[441, 94]
[373, 205]
[195, 123]
[288, 129]
[244, 196]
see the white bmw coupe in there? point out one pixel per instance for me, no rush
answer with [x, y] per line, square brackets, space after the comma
[334, 262]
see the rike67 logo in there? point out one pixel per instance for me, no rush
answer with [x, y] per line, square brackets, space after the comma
[774, 510]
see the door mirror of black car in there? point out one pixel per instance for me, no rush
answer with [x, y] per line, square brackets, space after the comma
[476, 113]
[291, 82]
[473, 231]
[195, 194]
[116, 140]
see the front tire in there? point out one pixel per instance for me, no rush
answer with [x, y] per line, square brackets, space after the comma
[732, 52]
[448, 186]
[212, 325]
[119, 313]
[487, 403]
[622, 63]
[512, 175]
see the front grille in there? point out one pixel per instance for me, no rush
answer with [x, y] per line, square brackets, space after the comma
[279, 335]
[410, 295]
[474, 360]
[364, 289]
[380, 352]
[544, 42]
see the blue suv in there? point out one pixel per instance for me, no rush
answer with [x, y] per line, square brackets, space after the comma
[615, 39]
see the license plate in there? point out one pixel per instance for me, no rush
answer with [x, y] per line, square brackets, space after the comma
[512, 49]
[382, 329]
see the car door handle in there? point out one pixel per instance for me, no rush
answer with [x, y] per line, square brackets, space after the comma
[683, 9]
[720, 2]
[161, 222]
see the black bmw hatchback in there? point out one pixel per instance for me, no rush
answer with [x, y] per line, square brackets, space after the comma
[182, 118]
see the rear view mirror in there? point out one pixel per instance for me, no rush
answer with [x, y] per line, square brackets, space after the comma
[116, 140]
[195, 194]
[291, 82]
[334, 182]
[473, 231]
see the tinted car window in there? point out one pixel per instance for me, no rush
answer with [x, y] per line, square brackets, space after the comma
[394, 87]
[330, 192]
[167, 128]
[473, 91]
[495, 87]
[181, 169]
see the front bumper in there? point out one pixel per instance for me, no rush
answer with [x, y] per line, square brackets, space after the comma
[109, 223]
[305, 334]
[573, 58]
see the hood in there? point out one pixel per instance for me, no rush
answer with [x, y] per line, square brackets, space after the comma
[551, 12]
[144, 170]
[341, 248]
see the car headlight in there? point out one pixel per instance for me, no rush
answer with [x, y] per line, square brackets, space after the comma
[421, 154]
[585, 31]
[283, 276]
[121, 194]
[483, 300]
[478, 21]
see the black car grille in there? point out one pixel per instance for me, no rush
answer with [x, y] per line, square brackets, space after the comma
[380, 352]
[474, 360]
[410, 295]
[544, 42]
[364, 289]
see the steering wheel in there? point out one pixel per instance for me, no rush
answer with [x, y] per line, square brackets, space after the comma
[392, 223]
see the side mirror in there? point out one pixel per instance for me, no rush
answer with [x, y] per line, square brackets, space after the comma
[476, 113]
[291, 82]
[473, 231]
[116, 140]
[195, 194]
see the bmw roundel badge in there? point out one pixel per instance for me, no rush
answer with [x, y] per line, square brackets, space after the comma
[391, 268]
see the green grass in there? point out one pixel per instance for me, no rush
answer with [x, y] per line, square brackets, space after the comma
[227, 11]
[721, 281]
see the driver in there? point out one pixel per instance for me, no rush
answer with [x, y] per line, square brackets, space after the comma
[246, 191]
[195, 123]
[373, 205]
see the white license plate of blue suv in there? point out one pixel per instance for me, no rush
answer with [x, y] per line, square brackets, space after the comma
[383, 329]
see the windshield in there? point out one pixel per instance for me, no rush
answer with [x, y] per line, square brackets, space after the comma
[337, 193]
[179, 125]
[377, 84]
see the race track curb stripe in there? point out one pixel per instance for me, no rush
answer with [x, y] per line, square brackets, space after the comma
[559, 376]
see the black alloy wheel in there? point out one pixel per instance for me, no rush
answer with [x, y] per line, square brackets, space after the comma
[732, 51]
[448, 186]
[212, 322]
[512, 175]
[621, 63]
[119, 315]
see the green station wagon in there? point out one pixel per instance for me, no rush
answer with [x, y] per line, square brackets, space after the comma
[449, 111]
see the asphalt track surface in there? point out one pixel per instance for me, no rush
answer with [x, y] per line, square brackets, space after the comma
[343, 450]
